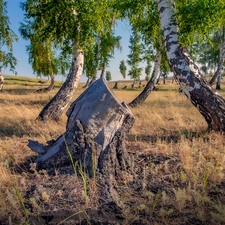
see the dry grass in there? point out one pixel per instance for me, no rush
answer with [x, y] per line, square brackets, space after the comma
[166, 125]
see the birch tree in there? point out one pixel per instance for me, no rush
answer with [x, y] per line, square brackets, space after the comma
[152, 45]
[198, 21]
[148, 70]
[207, 54]
[72, 25]
[91, 65]
[44, 59]
[209, 103]
[108, 75]
[108, 44]
[104, 48]
[150, 85]
[134, 57]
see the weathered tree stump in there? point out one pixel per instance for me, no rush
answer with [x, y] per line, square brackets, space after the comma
[95, 136]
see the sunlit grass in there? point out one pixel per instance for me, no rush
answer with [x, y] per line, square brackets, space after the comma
[165, 124]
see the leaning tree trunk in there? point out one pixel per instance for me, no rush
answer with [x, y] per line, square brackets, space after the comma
[54, 109]
[222, 58]
[95, 76]
[87, 83]
[132, 85]
[115, 85]
[95, 137]
[150, 85]
[218, 82]
[209, 103]
[49, 88]
[103, 70]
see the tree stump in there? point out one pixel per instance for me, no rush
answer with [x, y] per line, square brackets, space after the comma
[95, 136]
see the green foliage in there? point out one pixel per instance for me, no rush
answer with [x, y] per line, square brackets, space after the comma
[108, 76]
[199, 18]
[90, 62]
[134, 58]
[164, 66]
[63, 61]
[44, 55]
[143, 16]
[208, 52]
[7, 37]
[123, 68]
[148, 68]
[41, 57]
[147, 78]
[67, 22]
[63, 24]
[45, 59]
[108, 42]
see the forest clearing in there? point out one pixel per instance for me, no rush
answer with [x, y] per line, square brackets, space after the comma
[177, 175]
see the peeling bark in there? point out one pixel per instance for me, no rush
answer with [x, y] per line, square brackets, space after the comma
[209, 103]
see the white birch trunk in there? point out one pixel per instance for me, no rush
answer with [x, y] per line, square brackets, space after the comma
[209, 103]
[54, 109]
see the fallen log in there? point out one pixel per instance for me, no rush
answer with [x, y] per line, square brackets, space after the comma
[95, 136]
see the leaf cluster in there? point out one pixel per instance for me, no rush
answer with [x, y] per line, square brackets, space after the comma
[135, 57]
[67, 21]
[198, 17]
[7, 37]
[123, 68]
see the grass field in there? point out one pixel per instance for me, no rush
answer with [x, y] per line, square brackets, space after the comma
[179, 166]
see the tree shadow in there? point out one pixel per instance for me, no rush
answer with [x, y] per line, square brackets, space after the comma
[18, 91]
[27, 102]
[25, 166]
[18, 128]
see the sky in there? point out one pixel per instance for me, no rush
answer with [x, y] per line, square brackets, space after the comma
[23, 68]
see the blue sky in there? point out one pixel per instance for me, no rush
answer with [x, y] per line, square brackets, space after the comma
[23, 68]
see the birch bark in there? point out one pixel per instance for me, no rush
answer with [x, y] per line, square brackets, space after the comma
[209, 103]
[54, 109]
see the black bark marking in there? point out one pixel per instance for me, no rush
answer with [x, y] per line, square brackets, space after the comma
[162, 9]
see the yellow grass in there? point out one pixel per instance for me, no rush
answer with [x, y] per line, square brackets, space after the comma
[166, 123]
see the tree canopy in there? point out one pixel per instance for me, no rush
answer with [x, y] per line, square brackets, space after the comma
[7, 37]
